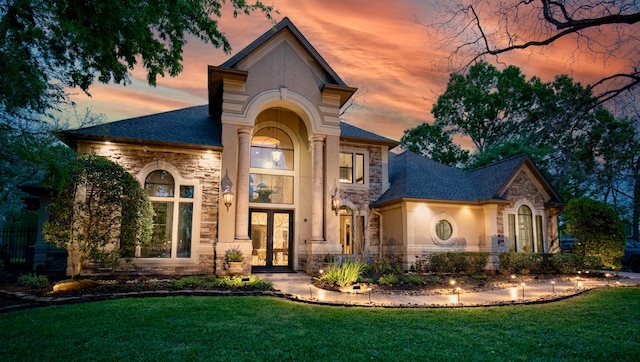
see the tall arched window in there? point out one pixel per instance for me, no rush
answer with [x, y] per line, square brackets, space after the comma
[173, 219]
[525, 232]
[272, 164]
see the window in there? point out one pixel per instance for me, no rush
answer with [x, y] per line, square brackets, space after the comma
[526, 230]
[272, 148]
[352, 168]
[275, 189]
[173, 219]
[444, 230]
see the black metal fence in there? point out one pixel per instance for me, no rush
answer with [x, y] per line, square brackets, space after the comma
[16, 248]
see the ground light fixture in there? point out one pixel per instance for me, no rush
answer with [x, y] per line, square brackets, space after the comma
[522, 284]
[310, 291]
[513, 279]
[458, 292]
[553, 287]
[369, 291]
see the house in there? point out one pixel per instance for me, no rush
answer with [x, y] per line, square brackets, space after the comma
[268, 167]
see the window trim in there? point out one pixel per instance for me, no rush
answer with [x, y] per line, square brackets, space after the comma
[365, 169]
[454, 229]
[196, 201]
[513, 242]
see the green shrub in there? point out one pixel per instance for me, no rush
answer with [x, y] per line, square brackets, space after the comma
[434, 279]
[479, 277]
[238, 282]
[381, 267]
[458, 262]
[519, 263]
[416, 279]
[388, 279]
[33, 281]
[569, 263]
[348, 272]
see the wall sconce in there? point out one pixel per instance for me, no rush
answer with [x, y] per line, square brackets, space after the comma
[227, 194]
[335, 202]
[227, 197]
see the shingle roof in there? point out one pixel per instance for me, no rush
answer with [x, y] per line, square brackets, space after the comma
[183, 127]
[418, 177]
[492, 178]
[355, 133]
[415, 176]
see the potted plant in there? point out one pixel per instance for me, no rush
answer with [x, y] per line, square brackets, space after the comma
[234, 261]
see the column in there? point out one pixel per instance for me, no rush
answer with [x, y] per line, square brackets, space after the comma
[317, 193]
[242, 183]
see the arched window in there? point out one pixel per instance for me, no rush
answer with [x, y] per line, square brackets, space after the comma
[173, 219]
[272, 164]
[272, 148]
[525, 229]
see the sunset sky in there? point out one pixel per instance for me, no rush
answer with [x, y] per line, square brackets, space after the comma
[373, 45]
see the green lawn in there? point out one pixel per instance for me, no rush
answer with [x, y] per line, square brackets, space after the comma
[602, 325]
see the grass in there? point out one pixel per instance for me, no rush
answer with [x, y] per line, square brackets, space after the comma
[601, 325]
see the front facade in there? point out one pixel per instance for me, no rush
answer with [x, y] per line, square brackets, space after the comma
[268, 168]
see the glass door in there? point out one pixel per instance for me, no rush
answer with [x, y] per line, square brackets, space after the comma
[271, 233]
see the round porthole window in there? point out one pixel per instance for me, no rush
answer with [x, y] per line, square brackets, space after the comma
[443, 230]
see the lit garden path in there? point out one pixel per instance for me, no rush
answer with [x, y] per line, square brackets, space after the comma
[297, 286]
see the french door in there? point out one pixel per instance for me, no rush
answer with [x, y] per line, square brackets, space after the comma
[271, 233]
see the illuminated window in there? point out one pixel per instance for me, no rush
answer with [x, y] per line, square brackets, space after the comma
[173, 216]
[272, 148]
[352, 169]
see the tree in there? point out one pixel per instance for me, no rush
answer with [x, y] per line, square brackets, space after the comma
[102, 214]
[597, 229]
[601, 30]
[434, 142]
[49, 45]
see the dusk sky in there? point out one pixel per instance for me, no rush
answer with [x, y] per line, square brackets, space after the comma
[372, 45]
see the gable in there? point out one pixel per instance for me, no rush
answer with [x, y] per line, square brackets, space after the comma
[523, 186]
[254, 51]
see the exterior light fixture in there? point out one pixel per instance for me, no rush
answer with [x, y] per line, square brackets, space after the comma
[522, 284]
[227, 194]
[336, 201]
[227, 197]
[458, 292]
[553, 287]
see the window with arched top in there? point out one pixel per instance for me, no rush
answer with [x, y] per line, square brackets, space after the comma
[173, 216]
[272, 148]
[272, 167]
[525, 229]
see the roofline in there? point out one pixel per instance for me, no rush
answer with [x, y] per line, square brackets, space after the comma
[453, 202]
[390, 143]
[75, 138]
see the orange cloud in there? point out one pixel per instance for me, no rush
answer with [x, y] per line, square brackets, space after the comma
[373, 45]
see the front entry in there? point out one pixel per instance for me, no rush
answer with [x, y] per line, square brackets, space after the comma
[271, 233]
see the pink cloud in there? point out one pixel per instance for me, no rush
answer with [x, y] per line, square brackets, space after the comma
[373, 45]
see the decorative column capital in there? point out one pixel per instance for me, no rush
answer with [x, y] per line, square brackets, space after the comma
[245, 131]
[319, 138]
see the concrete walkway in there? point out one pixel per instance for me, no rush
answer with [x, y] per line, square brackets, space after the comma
[297, 286]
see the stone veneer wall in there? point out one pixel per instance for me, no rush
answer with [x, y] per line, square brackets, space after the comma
[203, 166]
[363, 197]
[523, 188]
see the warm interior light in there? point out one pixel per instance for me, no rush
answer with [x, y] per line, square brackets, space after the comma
[227, 197]
[276, 156]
